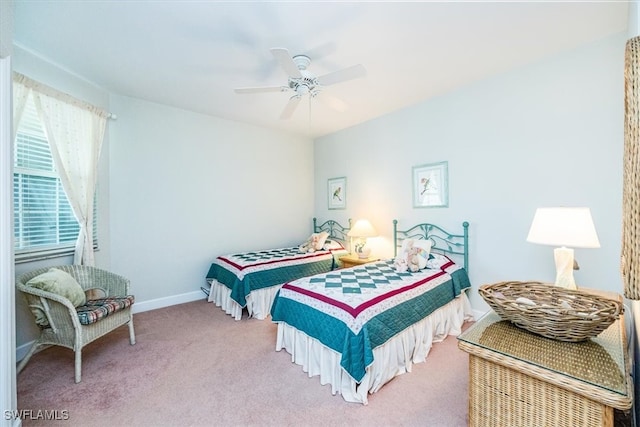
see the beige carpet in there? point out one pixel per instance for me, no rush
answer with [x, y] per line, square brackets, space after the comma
[193, 365]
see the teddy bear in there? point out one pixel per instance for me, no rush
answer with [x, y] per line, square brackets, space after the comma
[310, 245]
[413, 260]
[409, 259]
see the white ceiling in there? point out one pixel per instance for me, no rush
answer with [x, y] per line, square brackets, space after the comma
[192, 54]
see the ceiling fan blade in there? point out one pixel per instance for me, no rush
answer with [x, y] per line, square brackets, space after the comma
[260, 89]
[286, 61]
[333, 102]
[290, 107]
[345, 74]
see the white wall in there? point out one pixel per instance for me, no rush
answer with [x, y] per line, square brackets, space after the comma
[549, 134]
[6, 28]
[187, 187]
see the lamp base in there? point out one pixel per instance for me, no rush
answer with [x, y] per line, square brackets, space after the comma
[564, 268]
[364, 253]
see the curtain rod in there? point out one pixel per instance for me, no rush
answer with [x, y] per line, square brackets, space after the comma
[62, 96]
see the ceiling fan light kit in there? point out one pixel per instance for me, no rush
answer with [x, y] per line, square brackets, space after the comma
[302, 82]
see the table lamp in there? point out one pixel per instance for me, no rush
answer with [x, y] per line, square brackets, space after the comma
[564, 227]
[360, 231]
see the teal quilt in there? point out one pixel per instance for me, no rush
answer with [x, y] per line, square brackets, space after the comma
[355, 310]
[245, 272]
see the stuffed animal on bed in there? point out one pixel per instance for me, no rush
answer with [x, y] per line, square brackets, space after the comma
[315, 242]
[413, 258]
[310, 245]
[400, 264]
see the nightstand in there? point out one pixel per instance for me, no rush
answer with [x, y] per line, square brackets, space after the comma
[353, 260]
[517, 378]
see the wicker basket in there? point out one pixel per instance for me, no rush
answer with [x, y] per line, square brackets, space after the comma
[551, 311]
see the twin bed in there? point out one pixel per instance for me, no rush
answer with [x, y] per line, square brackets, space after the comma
[357, 328]
[250, 280]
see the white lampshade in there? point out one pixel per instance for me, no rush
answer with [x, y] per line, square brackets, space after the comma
[564, 227]
[572, 227]
[362, 228]
[360, 231]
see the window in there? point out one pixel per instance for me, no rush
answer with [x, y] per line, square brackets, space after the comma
[44, 223]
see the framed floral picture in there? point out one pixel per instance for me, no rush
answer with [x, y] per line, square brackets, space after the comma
[430, 185]
[337, 192]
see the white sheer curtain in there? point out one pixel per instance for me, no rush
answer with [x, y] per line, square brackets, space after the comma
[75, 131]
[20, 95]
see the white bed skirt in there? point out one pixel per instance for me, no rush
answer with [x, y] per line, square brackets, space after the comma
[393, 358]
[259, 302]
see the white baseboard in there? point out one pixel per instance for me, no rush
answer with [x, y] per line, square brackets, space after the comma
[21, 351]
[138, 307]
[153, 304]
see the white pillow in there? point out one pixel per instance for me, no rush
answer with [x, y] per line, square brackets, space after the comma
[421, 243]
[322, 236]
[332, 245]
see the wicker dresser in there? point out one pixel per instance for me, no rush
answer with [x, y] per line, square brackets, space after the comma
[517, 378]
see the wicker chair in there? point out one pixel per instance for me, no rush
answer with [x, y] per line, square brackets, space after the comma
[59, 321]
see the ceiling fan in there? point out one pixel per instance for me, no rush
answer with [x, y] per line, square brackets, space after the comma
[302, 82]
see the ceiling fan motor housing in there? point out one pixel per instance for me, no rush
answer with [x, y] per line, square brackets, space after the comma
[302, 82]
[307, 84]
[304, 85]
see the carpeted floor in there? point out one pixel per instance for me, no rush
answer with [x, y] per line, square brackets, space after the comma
[193, 365]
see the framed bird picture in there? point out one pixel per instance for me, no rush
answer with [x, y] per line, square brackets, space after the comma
[430, 185]
[337, 192]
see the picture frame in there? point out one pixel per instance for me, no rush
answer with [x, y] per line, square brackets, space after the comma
[337, 193]
[430, 185]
